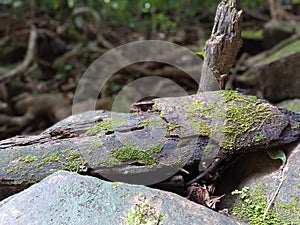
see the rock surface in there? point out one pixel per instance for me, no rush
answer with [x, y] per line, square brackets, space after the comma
[277, 76]
[69, 198]
[263, 177]
[276, 31]
[292, 104]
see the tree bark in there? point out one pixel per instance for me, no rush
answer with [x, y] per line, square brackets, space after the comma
[222, 47]
[163, 136]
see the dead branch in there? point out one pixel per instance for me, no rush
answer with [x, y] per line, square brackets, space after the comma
[97, 22]
[79, 50]
[28, 57]
[222, 47]
[170, 129]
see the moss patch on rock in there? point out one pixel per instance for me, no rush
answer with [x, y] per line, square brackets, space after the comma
[68, 158]
[250, 208]
[147, 122]
[254, 35]
[72, 160]
[289, 213]
[48, 160]
[197, 112]
[252, 203]
[128, 153]
[293, 105]
[287, 50]
[144, 213]
[241, 117]
[28, 159]
[106, 125]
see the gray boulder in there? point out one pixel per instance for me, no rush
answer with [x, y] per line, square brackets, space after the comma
[276, 77]
[259, 179]
[291, 104]
[69, 198]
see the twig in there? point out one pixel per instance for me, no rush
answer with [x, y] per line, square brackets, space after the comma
[254, 15]
[211, 168]
[97, 23]
[28, 57]
[184, 171]
[275, 193]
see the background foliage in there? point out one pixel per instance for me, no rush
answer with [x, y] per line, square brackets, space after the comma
[140, 15]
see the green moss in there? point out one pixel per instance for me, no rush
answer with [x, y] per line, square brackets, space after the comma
[28, 159]
[209, 149]
[197, 112]
[13, 169]
[155, 106]
[239, 119]
[106, 125]
[72, 166]
[258, 138]
[201, 128]
[24, 173]
[293, 105]
[251, 207]
[48, 160]
[107, 162]
[127, 153]
[144, 213]
[250, 34]
[172, 126]
[10, 170]
[115, 185]
[289, 213]
[287, 50]
[95, 145]
[156, 149]
[243, 117]
[71, 154]
[100, 135]
[71, 160]
[19, 167]
[147, 122]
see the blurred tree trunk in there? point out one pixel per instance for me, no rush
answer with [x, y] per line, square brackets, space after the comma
[275, 10]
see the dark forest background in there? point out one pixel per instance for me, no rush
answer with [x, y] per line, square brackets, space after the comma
[39, 75]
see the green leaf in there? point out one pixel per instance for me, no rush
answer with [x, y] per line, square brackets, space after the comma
[116, 184]
[277, 154]
[201, 53]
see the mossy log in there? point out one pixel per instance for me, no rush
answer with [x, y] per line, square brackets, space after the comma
[157, 139]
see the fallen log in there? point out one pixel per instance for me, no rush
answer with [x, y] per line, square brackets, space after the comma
[150, 144]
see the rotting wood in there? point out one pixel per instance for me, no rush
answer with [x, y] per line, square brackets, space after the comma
[222, 47]
[168, 134]
[29, 57]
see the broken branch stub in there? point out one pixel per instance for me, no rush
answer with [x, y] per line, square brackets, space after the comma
[222, 47]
